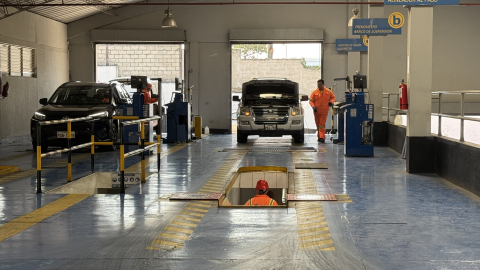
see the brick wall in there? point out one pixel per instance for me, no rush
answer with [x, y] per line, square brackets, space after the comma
[164, 61]
[244, 70]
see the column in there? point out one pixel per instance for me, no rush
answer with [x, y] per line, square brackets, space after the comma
[420, 151]
[375, 78]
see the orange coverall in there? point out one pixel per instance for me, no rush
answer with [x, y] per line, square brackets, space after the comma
[320, 99]
[261, 200]
[146, 97]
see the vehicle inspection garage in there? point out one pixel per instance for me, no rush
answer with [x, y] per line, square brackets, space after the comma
[211, 134]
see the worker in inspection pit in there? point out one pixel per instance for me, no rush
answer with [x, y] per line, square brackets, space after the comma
[261, 198]
[321, 99]
[147, 99]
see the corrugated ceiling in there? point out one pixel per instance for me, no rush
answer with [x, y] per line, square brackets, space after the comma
[67, 14]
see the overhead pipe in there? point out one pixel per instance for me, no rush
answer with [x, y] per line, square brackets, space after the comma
[206, 4]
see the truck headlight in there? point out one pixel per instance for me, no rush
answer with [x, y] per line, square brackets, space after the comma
[39, 116]
[296, 110]
[101, 114]
[296, 122]
[245, 111]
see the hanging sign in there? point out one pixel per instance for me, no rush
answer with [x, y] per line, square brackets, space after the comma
[421, 2]
[379, 26]
[351, 45]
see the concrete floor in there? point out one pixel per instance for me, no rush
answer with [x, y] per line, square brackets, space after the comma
[395, 220]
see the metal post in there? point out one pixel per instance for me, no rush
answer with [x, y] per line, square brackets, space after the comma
[462, 113]
[142, 145]
[92, 148]
[159, 125]
[439, 114]
[388, 107]
[69, 141]
[122, 162]
[39, 158]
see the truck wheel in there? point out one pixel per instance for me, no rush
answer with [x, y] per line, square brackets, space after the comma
[300, 137]
[241, 138]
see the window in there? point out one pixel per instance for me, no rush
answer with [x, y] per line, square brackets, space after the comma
[17, 60]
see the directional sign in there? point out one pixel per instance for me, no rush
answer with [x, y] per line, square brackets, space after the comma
[421, 2]
[379, 26]
[351, 45]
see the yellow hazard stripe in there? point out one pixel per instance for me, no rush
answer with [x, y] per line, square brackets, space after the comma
[26, 221]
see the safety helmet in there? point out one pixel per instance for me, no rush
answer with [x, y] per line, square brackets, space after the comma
[149, 85]
[262, 184]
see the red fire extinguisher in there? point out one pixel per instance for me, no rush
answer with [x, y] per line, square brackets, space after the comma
[402, 89]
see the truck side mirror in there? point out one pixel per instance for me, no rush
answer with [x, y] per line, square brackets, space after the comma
[236, 98]
[304, 98]
[43, 101]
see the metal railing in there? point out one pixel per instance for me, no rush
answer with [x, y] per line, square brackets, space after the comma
[462, 110]
[439, 95]
[92, 144]
[397, 103]
[139, 151]
[69, 149]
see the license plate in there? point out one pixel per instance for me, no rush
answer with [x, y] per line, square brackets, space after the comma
[63, 134]
[270, 127]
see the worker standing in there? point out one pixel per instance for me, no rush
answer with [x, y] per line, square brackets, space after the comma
[321, 99]
[147, 99]
[261, 198]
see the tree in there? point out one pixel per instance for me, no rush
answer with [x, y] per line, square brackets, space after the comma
[251, 51]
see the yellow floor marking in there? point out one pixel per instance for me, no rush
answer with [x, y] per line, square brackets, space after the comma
[26, 221]
[305, 238]
[196, 209]
[323, 150]
[191, 214]
[180, 230]
[313, 232]
[189, 218]
[318, 243]
[200, 205]
[169, 235]
[8, 169]
[175, 222]
[199, 208]
[165, 243]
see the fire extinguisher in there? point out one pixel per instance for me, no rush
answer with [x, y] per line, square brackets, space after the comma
[402, 89]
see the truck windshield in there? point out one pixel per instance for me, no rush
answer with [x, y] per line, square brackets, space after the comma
[81, 94]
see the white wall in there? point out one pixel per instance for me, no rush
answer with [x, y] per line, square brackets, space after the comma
[208, 49]
[49, 38]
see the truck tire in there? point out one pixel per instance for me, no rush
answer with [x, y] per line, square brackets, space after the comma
[241, 138]
[300, 137]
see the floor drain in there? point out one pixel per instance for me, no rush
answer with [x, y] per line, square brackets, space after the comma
[311, 166]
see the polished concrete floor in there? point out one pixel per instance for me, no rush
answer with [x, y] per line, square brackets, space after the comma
[388, 219]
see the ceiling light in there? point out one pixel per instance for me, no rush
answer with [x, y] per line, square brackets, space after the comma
[168, 21]
[355, 16]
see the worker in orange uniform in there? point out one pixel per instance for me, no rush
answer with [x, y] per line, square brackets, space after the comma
[261, 198]
[147, 99]
[321, 99]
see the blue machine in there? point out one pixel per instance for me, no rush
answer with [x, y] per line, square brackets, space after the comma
[358, 126]
[178, 120]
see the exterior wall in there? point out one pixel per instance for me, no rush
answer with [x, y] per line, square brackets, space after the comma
[243, 70]
[49, 38]
[161, 61]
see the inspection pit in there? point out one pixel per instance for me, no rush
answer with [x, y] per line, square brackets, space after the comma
[242, 186]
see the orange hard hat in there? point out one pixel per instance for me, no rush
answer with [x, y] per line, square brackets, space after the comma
[149, 85]
[262, 184]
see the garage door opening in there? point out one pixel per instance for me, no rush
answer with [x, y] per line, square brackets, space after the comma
[299, 62]
[121, 61]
